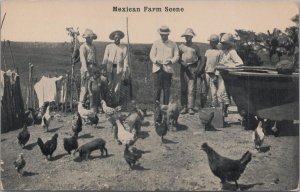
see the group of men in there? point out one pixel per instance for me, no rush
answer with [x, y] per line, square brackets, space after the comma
[164, 54]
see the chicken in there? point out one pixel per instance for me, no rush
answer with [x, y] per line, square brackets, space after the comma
[160, 121]
[258, 135]
[124, 136]
[37, 115]
[20, 164]
[108, 110]
[84, 113]
[23, 136]
[172, 114]
[206, 118]
[49, 147]
[70, 144]
[224, 168]
[133, 121]
[46, 119]
[275, 129]
[131, 157]
[94, 119]
[29, 120]
[76, 124]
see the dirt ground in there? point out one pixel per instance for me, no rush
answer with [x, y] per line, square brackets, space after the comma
[179, 164]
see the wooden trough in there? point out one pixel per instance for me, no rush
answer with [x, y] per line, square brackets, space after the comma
[264, 92]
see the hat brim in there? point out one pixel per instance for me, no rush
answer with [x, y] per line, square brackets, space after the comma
[163, 33]
[93, 36]
[112, 35]
[187, 34]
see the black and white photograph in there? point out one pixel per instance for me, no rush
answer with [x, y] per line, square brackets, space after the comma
[149, 95]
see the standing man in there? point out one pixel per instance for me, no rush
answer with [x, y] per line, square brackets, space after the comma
[190, 62]
[116, 61]
[88, 61]
[163, 54]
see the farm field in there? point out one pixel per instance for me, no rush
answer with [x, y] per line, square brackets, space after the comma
[177, 165]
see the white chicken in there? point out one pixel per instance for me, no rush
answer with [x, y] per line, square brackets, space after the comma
[84, 113]
[46, 119]
[124, 136]
[258, 135]
[109, 110]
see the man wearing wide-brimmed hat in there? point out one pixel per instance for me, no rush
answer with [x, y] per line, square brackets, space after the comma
[116, 61]
[163, 54]
[88, 60]
[229, 58]
[190, 62]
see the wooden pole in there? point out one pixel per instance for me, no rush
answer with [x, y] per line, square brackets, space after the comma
[129, 61]
[3, 20]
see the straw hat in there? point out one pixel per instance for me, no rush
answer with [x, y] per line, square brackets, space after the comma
[117, 32]
[213, 37]
[189, 32]
[227, 38]
[164, 30]
[89, 33]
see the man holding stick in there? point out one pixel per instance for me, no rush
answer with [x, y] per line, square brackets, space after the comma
[88, 60]
[164, 53]
[116, 61]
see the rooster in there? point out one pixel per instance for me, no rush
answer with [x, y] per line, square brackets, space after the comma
[20, 164]
[76, 124]
[108, 110]
[49, 146]
[23, 136]
[224, 168]
[131, 157]
[258, 135]
[46, 119]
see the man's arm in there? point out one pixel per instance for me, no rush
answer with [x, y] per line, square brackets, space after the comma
[82, 53]
[236, 58]
[106, 54]
[153, 53]
[176, 54]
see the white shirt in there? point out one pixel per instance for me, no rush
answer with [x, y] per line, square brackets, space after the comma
[115, 54]
[162, 52]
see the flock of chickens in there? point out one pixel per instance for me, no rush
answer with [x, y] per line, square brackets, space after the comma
[126, 129]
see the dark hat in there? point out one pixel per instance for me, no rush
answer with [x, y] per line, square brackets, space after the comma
[117, 32]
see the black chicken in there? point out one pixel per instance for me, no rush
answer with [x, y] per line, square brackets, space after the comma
[70, 144]
[93, 119]
[23, 136]
[37, 115]
[131, 157]
[29, 120]
[224, 168]
[49, 147]
[160, 120]
[77, 124]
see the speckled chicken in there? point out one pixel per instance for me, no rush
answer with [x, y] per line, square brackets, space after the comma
[76, 124]
[20, 164]
[206, 118]
[23, 136]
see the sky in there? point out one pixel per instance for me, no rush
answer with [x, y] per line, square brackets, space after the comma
[46, 20]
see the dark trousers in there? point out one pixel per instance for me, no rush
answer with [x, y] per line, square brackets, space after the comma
[162, 82]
